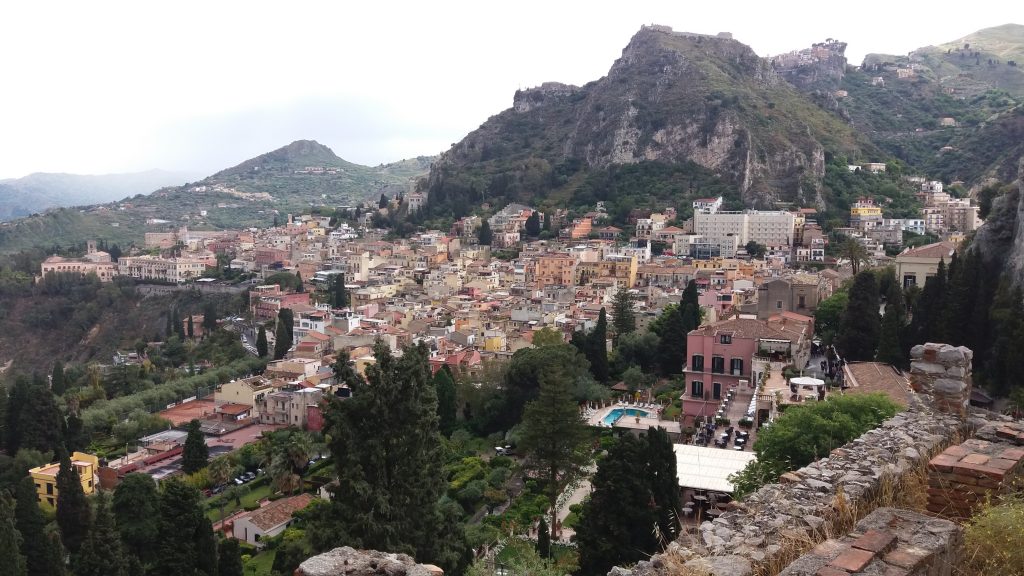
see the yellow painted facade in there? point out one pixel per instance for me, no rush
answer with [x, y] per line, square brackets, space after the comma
[45, 477]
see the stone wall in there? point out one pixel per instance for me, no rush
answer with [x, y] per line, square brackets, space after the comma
[964, 476]
[348, 561]
[942, 373]
[887, 542]
[811, 503]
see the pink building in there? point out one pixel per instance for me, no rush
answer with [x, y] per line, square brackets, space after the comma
[720, 356]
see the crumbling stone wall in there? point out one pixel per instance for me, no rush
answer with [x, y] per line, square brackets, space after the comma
[889, 542]
[805, 504]
[942, 373]
[348, 561]
[982, 468]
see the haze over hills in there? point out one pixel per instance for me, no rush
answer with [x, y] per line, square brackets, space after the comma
[290, 179]
[37, 192]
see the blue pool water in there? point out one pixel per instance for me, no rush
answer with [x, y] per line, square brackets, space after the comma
[613, 416]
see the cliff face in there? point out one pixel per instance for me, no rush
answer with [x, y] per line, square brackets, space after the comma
[1000, 241]
[671, 97]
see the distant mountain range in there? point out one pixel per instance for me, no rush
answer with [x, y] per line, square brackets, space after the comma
[292, 178]
[37, 192]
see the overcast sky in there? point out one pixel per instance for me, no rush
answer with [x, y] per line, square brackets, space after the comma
[104, 86]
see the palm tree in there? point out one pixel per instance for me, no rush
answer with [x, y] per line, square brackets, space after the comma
[855, 252]
[282, 476]
[220, 470]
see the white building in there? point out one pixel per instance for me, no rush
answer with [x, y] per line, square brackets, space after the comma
[707, 205]
[773, 229]
[175, 270]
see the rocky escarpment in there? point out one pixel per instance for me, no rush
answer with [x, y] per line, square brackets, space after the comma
[1000, 241]
[671, 97]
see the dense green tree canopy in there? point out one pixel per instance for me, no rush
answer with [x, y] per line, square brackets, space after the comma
[861, 325]
[196, 455]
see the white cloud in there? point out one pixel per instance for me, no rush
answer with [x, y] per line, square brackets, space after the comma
[115, 86]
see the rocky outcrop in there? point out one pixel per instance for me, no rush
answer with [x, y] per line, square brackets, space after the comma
[348, 561]
[1000, 241]
[671, 97]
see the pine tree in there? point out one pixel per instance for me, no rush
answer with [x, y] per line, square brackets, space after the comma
[553, 434]
[102, 554]
[484, 236]
[533, 224]
[543, 539]
[196, 455]
[136, 508]
[184, 534]
[387, 455]
[597, 348]
[73, 514]
[861, 326]
[43, 558]
[229, 558]
[446, 408]
[57, 383]
[261, 342]
[624, 320]
[11, 557]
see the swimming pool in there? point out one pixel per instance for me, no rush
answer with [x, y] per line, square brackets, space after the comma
[613, 416]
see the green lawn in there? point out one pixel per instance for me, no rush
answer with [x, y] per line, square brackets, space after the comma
[250, 498]
[260, 564]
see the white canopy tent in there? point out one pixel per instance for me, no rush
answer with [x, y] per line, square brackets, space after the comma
[708, 468]
[806, 381]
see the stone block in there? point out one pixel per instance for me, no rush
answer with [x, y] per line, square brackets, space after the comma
[949, 386]
[907, 557]
[875, 541]
[853, 559]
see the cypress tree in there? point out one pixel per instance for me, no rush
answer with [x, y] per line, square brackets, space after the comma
[890, 345]
[340, 295]
[615, 526]
[299, 286]
[927, 324]
[184, 534]
[861, 326]
[664, 483]
[690, 295]
[229, 558]
[383, 202]
[195, 455]
[282, 341]
[484, 236]
[40, 422]
[11, 557]
[136, 508]
[43, 557]
[261, 342]
[543, 539]
[597, 349]
[102, 554]
[190, 330]
[672, 345]
[446, 407]
[57, 382]
[17, 396]
[179, 326]
[73, 514]
[209, 318]
[75, 437]
[547, 221]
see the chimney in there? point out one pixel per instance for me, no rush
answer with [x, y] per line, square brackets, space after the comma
[942, 373]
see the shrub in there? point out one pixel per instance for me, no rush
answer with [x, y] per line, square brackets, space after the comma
[722, 421]
[992, 538]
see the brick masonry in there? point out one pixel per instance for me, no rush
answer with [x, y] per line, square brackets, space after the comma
[887, 542]
[964, 476]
